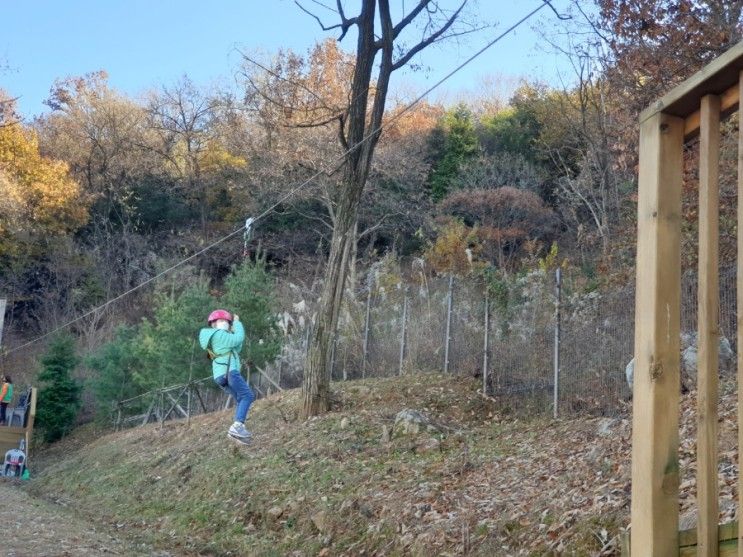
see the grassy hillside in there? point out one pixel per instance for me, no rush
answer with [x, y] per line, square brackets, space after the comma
[483, 483]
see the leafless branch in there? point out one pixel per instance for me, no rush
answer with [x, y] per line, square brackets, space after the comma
[428, 40]
[269, 71]
[405, 21]
[342, 131]
[8, 104]
[315, 124]
[558, 14]
[309, 216]
[376, 226]
[344, 25]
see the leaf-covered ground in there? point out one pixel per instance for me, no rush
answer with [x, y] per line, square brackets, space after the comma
[483, 484]
[32, 527]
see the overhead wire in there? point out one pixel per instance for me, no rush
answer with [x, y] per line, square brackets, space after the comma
[341, 161]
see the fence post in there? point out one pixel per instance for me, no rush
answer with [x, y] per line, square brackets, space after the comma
[403, 331]
[161, 407]
[117, 426]
[448, 324]
[486, 347]
[366, 334]
[558, 285]
[190, 385]
[188, 401]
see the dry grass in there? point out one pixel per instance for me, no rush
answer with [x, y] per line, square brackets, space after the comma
[331, 486]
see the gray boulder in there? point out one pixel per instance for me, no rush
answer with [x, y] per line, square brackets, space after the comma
[689, 360]
[412, 422]
[629, 373]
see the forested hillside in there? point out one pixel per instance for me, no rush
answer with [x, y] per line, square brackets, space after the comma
[105, 191]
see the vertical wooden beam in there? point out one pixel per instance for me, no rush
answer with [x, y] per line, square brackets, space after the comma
[708, 326]
[739, 322]
[30, 422]
[655, 467]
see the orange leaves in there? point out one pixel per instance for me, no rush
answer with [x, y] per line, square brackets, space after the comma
[455, 249]
[37, 195]
[420, 119]
[502, 219]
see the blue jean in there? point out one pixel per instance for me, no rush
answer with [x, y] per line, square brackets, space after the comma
[233, 384]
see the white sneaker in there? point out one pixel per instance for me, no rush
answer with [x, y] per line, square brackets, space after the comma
[238, 430]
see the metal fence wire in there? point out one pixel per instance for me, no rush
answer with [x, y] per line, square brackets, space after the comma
[544, 343]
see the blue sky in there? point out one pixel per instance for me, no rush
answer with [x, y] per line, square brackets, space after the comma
[145, 43]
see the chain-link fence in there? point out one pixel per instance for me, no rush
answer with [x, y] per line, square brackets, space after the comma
[539, 343]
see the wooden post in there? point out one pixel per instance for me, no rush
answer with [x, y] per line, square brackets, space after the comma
[117, 427]
[708, 326]
[188, 402]
[486, 339]
[149, 411]
[201, 400]
[655, 464]
[161, 407]
[555, 390]
[402, 332]
[739, 332]
[366, 333]
[30, 422]
[447, 338]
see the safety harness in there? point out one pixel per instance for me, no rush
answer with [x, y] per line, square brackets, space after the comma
[213, 355]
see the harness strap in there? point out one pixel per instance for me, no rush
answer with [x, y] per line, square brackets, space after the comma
[213, 355]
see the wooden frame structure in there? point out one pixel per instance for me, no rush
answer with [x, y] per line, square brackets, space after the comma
[693, 108]
[10, 436]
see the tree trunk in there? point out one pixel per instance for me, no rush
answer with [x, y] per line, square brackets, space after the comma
[316, 381]
[363, 130]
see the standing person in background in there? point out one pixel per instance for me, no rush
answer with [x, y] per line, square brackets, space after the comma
[6, 395]
[223, 341]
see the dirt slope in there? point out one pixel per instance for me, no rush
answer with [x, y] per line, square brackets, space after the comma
[482, 483]
[32, 527]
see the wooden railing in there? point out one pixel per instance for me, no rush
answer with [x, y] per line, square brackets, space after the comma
[695, 107]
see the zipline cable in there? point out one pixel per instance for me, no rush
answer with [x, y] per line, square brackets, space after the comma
[340, 158]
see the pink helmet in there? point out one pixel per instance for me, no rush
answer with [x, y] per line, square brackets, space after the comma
[219, 314]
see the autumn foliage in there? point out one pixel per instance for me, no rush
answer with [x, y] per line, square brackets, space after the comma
[37, 195]
[499, 221]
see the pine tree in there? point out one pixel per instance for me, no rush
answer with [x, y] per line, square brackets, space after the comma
[59, 396]
[250, 294]
[456, 143]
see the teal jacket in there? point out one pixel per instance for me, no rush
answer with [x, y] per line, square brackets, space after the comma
[227, 345]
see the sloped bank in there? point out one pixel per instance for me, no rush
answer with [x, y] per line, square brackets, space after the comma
[350, 483]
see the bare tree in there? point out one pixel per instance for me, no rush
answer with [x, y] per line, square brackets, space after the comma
[182, 117]
[379, 38]
[8, 113]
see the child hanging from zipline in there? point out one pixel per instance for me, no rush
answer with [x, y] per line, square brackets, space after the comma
[223, 341]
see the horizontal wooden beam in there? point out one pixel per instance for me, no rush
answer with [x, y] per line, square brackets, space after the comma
[727, 534]
[10, 438]
[714, 79]
[729, 101]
